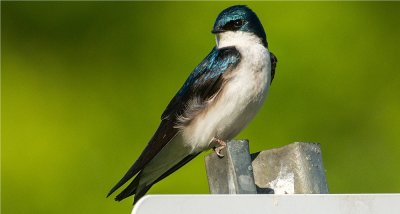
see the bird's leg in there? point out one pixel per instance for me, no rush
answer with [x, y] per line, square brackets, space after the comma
[218, 145]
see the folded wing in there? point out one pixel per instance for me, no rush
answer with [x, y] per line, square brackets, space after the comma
[202, 84]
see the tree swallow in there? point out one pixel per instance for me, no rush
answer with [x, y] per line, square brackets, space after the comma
[219, 98]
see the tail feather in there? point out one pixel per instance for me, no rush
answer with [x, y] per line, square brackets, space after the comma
[130, 189]
[139, 190]
[164, 134]
[131, 172]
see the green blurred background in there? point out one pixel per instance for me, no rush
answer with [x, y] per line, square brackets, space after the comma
[84, 84]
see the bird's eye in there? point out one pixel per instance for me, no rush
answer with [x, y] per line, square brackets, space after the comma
[234, 25]
[238, 23]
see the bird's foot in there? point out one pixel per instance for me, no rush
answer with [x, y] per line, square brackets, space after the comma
[218, 145]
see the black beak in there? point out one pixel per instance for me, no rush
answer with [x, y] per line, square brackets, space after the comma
[217, 30]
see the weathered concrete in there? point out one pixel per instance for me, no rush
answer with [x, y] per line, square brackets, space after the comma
[295, 168]
[233, 173]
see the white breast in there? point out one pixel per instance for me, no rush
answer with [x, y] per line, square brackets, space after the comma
[239, 100]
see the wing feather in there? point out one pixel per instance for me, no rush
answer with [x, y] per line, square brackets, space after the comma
[203, 83]
[161, 137]
[274, 61]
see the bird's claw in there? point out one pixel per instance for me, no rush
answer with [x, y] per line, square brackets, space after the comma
[218, 151]
[218, 146]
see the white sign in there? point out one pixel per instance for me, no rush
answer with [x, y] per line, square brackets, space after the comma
[276, 204]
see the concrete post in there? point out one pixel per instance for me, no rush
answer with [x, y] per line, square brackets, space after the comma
[295, 168]
[233, 173]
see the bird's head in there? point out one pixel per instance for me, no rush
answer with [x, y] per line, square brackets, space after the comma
[239, 19]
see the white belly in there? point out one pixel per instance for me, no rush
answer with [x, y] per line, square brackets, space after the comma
[237, 103]
[228, 113]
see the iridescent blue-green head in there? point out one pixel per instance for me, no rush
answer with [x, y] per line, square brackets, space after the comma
[239, 18]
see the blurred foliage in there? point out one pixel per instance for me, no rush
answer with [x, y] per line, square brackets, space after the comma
[84, 84]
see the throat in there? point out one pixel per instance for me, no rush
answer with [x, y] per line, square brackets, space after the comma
[238, 39]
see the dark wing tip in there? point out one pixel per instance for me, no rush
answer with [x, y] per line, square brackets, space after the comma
[163, 135]
[129, 190]
[108, 195]
[118, 185]
[118, 199]
[121, 196]
[131, 172]
[112, 190]
[274, 61]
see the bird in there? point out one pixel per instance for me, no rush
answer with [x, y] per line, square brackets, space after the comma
[218, 99]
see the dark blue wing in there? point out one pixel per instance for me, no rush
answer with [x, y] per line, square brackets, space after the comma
[274, 61]
[204, 81]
